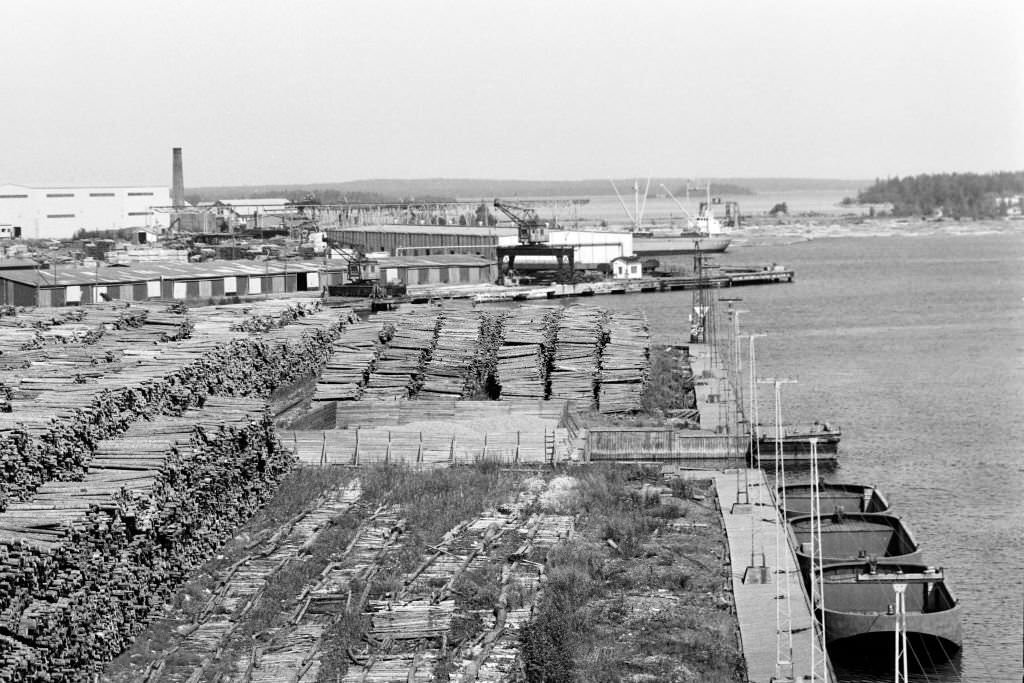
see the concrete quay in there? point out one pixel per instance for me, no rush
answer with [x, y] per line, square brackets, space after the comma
[751, 526]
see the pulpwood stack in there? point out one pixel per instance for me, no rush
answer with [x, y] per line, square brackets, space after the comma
[50, 434]
[83, 564]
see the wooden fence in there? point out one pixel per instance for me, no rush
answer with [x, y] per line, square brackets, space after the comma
[639, 444]
[354, 447]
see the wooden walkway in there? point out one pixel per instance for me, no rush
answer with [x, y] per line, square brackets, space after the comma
[755, 602]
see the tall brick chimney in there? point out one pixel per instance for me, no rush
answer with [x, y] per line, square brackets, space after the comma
[177, 180]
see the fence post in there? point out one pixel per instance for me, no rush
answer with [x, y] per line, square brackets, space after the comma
[419, 453]
[323, 450]
[387, 453]
[355, 453]
[518, 434]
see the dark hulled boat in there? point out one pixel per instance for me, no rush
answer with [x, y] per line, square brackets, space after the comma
[850, 497]
[796, 441]
[860, 617]
[849, 537]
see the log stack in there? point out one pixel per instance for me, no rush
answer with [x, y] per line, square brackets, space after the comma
[576, 364]
[353, 357]
[625, 362]
[453, 359]
[397, 371]
[50, 432]
[521, 364]
[85, 563]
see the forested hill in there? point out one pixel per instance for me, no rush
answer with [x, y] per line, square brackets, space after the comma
[958, 195]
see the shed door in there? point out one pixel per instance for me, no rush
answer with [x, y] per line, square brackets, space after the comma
[73, 294]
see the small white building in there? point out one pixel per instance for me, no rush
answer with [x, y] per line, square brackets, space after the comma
[59, 212]
[627, 268]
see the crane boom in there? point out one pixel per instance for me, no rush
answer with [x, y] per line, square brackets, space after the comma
[531, 229]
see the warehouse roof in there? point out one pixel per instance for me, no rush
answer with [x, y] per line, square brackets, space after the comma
[469, 231]
[167, 270]
[441, 260]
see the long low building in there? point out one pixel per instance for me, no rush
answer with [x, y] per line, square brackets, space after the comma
[592, 247]
[59, 212]
[446, 269]
[188, 282]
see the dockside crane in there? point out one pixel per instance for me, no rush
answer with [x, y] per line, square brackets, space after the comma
[534, 240]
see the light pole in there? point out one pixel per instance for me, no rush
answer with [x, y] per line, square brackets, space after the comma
[783, 621]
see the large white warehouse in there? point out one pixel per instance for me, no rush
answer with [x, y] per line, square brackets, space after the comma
[58, 212]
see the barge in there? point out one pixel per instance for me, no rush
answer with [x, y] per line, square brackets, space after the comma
[855, 537]
[852, 497]
[859, 601]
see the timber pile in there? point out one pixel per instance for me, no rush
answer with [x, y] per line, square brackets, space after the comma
[50, 432]
[625, 363]
[521, 365]
[575, 367]
[398, 369]
[266, 316]
[85, 563]
[353, 357]
[453, 359]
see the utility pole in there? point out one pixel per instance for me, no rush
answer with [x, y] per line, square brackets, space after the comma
[783, 615]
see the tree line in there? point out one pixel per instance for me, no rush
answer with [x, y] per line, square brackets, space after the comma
[957, 195]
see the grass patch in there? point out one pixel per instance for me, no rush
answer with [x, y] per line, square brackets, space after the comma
[652, 604]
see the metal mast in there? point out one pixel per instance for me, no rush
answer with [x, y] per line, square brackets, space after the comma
[819, 658]
[901, 633]
[783, 615]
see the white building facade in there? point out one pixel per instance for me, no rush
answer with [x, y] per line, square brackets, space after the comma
[59, 212]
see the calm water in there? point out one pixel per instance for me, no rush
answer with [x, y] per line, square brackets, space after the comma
[916, 347]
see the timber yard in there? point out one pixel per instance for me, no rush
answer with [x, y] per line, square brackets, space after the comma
[259, 441]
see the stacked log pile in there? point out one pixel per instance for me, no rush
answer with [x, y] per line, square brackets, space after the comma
[575, 367]
[397, 371]
[625, 362]
[521, 364]
[454, 357]
[353, 357]
[85, 563]
[50, 433]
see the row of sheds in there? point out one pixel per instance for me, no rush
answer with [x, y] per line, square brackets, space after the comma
[201, 283]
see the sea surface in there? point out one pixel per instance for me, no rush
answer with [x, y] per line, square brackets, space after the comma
[915, 346]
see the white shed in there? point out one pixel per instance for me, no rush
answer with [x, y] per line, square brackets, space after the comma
[627, 268]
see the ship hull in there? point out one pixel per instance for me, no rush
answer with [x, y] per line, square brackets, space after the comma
[850, 497]
[850, 537]
[858, 607]
[673, 246]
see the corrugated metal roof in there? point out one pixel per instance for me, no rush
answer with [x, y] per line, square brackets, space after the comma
[471, 231]
[440, 260]
[74, 275]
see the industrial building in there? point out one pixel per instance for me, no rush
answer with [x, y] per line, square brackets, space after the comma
[198, 283]
[592, 248]
[430, 270]
[58, 212]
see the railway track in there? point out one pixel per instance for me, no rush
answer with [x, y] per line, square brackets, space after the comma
[241, 588]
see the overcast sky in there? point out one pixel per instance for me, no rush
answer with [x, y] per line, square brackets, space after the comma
[258, 92]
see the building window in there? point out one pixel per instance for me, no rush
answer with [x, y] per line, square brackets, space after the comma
[60, 215]
[13, 196]
[60, 194]
[101, 194]
[140, 213]
[140, 194]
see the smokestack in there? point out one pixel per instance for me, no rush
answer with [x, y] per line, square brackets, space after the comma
[177, 181]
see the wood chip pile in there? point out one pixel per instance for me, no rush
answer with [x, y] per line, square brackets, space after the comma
[85, 563]
[575, 368]
[625, 362]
